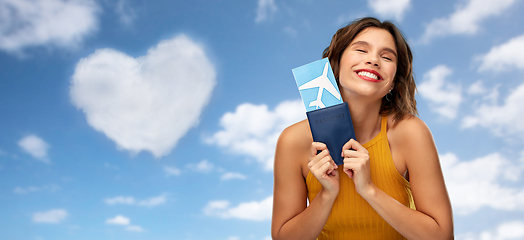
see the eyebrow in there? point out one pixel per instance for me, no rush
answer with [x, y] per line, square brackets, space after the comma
[367, 44]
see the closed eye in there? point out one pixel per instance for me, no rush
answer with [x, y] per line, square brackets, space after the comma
[360, 50]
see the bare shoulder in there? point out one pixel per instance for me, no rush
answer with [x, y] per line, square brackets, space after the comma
[409, 131]
[297, 136]
[411, 143]
[293, 147]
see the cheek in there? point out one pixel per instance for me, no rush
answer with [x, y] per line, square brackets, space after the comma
[392, 71]
[346, 64]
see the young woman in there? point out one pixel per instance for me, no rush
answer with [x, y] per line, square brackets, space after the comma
[390, 185]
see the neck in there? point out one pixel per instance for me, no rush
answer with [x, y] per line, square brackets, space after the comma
[366, 118]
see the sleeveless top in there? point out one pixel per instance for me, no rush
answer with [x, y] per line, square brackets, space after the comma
[351, 216]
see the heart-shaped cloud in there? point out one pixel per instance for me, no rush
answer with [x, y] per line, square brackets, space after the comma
[146, 103]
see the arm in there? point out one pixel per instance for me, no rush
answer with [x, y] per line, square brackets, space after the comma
[291, 218]
[413, 142]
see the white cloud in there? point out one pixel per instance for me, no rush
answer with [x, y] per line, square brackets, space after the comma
[504, 57]
[443, 96]
[124, 221]
[150, 202]
[120, 200]
[60, 23]
[503, 120]
[146, 103]
[213, 206]
[154, 201]
[51, 216]
[472, 185]
[477, 88]
[118, 220]
[466, 19]
[125, 12]
[265, 10]
[204, 166]
[35, 146]
[172, 171]
[482, 94]
[255, 211]
[390, 8]
[504, 231]
[233, 238]
[134, 228]
[253, 130]
[232, 175]
[30, 189]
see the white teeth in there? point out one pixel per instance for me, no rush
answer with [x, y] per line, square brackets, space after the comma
[368, 74]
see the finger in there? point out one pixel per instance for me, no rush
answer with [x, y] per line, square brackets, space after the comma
[351, 166]
[317, 146]
[354, 154]
[352, 144]
[334, 164]
[349, 172]
[334, 167]
[347, 146]
[354, 164]
[357, 146]
[334, 172]
[318, 161]
[326, 169]
[313, 160]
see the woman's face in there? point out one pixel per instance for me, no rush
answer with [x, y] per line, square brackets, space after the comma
[368, 64]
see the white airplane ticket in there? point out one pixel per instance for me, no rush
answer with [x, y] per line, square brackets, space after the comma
[317, 85]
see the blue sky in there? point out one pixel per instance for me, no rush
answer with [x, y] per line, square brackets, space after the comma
[158, 119]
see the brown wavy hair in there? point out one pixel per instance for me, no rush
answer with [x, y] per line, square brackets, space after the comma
[403, 103]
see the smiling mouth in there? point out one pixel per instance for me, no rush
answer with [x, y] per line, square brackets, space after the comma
[369, 74]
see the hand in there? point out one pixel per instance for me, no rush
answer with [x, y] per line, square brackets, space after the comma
[323, 167]
[356, 166]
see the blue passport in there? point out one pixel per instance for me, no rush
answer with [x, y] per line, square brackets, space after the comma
[329, 117]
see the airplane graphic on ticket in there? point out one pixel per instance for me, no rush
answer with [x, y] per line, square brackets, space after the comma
[312, 79]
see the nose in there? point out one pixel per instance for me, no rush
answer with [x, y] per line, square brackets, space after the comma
[372, 60]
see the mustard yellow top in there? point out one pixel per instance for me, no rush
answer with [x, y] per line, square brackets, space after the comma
[351, 216]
